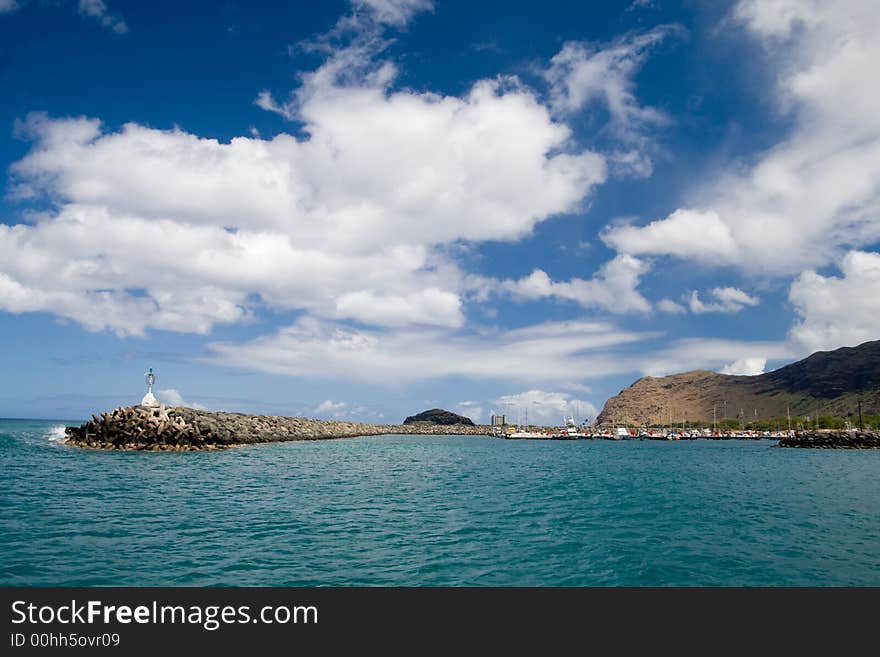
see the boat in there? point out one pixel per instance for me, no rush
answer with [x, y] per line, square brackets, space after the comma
[528, 434]
[570, 431]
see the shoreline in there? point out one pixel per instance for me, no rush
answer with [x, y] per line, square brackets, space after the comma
[182, 429]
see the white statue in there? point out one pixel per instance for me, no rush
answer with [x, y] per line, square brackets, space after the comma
[149, 399]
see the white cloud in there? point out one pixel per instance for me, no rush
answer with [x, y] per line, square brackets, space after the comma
[642, 4]
[671, 307]
[331, 409]
[685, 233]
[745, 367]
[98, 9]
[8, 6]
[394, 12]
[173, 231]
[265, 101]
[544, 407]
[569, 351]
[428, 306]
[585, 75]
[172, 397]
[814, 194]
[329, 406]
[727, 300]
[613, 288]
[711, 354]
[471, 409]
[836, 312]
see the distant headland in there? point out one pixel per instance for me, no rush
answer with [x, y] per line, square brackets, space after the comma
[829, 387]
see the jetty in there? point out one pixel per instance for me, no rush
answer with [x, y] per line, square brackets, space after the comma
[180, 429]
[833, 440]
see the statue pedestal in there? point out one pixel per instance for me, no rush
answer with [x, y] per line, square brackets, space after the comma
[149, 400]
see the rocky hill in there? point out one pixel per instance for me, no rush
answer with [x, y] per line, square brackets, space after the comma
[827, 383]
[439, 416]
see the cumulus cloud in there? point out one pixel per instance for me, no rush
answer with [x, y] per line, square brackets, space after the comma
[838, 311]
[169, 230]
[671, 307]
[745, 367]
[165, 229]
[329, 406]
[544, 407]
[814, 194]
[727, 300]
[471, 409]
[613, 289]
[172, 397]
[685, 233]
[330, 409]
[98, 10]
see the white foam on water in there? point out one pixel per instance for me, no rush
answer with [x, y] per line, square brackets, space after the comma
[56, 434]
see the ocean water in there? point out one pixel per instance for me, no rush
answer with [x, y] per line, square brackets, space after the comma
[437, 511]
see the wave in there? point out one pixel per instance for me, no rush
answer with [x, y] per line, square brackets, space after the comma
[56, 434]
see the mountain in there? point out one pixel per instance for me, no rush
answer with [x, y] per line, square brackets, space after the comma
[438, 416]
[825, 383]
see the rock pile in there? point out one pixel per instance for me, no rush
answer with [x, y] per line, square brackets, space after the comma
[833, 440]
[185, 429]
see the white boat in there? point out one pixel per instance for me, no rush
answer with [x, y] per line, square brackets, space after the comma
[527, 434]
[571, 430]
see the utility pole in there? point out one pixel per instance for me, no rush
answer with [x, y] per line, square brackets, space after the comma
[860, 414]
[788, 413]
[714, 421]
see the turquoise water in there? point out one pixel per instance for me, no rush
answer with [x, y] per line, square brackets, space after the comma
[439, 510]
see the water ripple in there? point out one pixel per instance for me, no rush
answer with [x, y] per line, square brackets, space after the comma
[437, 510]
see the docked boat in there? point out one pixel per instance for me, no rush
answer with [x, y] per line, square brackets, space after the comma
[528, 434]
[570, 430]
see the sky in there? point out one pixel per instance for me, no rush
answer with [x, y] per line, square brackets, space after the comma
[366, 209]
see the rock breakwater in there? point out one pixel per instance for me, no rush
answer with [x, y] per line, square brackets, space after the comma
[833, 440]
[185, 429]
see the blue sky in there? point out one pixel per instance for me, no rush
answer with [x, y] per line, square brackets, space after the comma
[364, 209]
